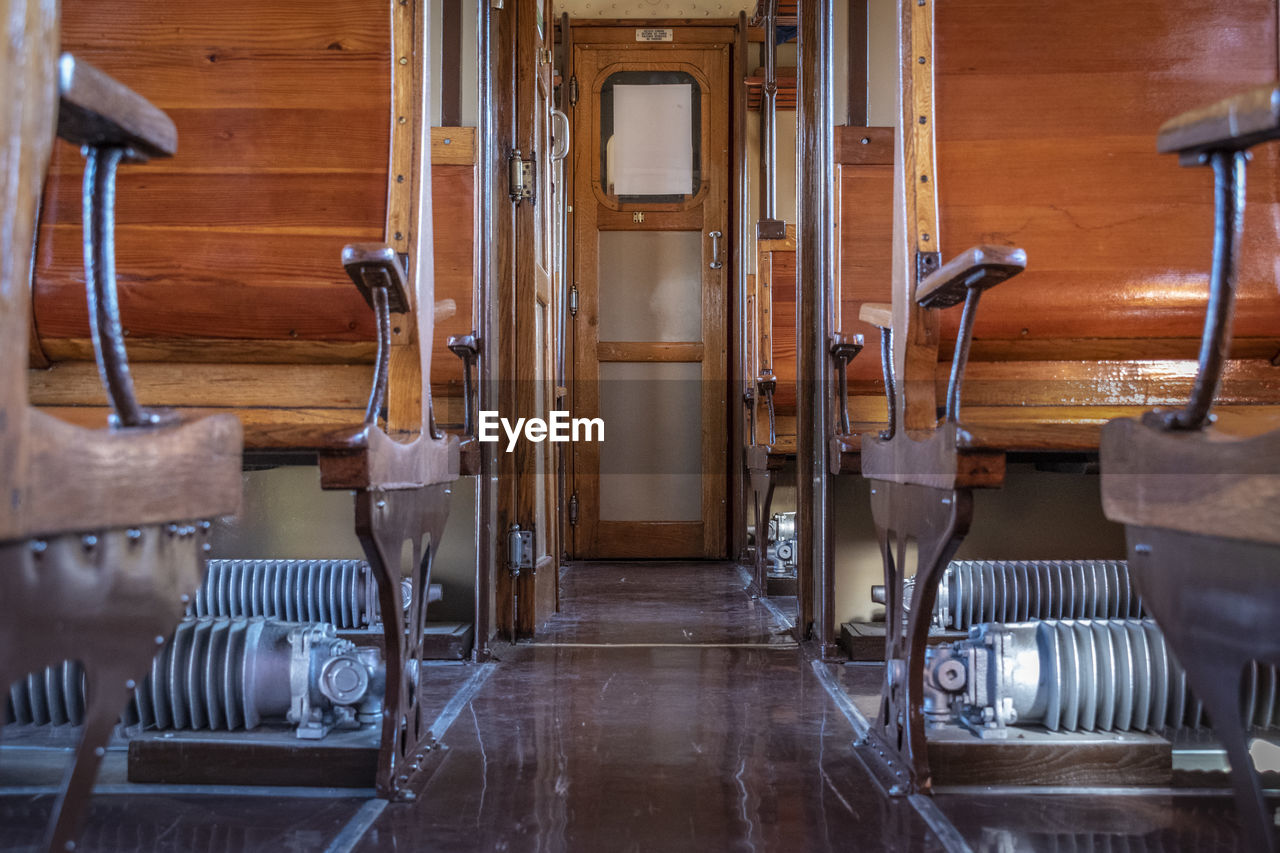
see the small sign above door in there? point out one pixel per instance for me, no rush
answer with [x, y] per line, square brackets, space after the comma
[654, 34]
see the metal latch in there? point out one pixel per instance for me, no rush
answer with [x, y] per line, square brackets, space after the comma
[573, 300]
[519, 550]
[522, 176]
[573, 90]
[573, 510]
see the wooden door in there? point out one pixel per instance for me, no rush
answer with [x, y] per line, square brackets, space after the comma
[651, 256]
[536, 321]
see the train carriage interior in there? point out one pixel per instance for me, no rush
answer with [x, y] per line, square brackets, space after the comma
[595, 425]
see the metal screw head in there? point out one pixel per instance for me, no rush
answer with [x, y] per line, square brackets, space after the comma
[134, 534]
[99, 751]
[39, 546]
[89, 542]
[159, 640]
[130, 684]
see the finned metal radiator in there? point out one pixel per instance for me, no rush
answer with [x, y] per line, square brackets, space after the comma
[342, 593]
[782, 550]
[228, 674]
[1074, 675]
[972, 592]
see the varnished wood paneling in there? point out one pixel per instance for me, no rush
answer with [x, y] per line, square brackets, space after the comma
[453, 195]
[1118, 237]
[226, 241]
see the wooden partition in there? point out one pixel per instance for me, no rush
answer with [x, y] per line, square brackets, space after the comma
[863, 199]
[229, 254]
[864, 256]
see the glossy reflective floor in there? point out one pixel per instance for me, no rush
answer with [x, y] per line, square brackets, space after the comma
[664, 709]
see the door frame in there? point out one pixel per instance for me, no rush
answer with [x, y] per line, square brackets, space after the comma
[637, 538]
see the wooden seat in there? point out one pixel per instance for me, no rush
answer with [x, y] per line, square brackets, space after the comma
[311, 171]
[1198, 497]
[229, 255]
[103, 537]
[1104, 322]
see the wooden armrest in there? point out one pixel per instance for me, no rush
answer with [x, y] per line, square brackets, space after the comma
[980, 267]
[97, 110]
[845, 347]
[1232, 124]
[372, 265]
[877, 314]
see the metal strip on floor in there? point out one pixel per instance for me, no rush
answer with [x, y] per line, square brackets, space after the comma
[360, 823]
[346, 840]
[946, 833]
[786, 645]
[782, 620]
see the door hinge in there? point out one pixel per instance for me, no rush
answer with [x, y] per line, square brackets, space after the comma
[573, 510]
[573, 90]
[519, 550]
[521, 174]
[573, 300]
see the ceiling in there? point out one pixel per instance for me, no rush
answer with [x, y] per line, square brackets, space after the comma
[653, 8]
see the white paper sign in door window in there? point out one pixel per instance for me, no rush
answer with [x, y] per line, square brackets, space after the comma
[652, 140]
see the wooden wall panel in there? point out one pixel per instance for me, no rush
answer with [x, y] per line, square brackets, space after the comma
[283, 116]
[864, 205]
[1046, 122]
[453, 195]
[782, 287]
[282, 111]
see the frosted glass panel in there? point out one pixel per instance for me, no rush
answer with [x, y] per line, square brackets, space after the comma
[650, 136]
[650, 285]
[651, 458]
[653, 140]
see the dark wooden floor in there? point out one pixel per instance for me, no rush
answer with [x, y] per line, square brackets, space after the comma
[663, 710]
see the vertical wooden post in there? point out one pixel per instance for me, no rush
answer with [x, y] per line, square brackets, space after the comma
[813, 268]
[741, 369]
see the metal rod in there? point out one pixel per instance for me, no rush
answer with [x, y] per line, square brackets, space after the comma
[963, 338]
[890, 390]
[1215, 343]
[768, 110]
[842, 388]
[381, 308]
[773, 431]
[468, 418]
[100, 286]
